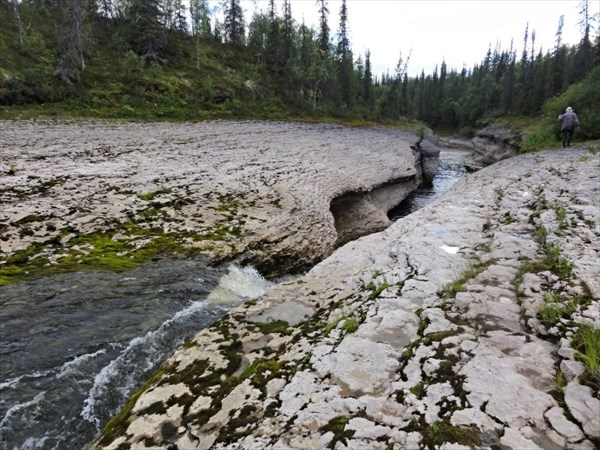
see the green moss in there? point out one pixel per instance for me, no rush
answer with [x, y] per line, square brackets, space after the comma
[119, 423]
[437, 433]
[101, 253]
[508, 218]
[29, 219]
[149, 196]
[419, 390]
[239, 426]
[337, 426]
[276, 326]
[350, 325]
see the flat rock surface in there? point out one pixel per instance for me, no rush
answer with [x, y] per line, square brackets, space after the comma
[434, 333]
[228, 189]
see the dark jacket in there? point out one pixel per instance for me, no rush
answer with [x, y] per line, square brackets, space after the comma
[568, 121]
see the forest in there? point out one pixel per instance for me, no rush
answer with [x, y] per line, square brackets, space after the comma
[174, 60]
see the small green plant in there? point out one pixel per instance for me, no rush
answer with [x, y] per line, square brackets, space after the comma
[451, 289]
[376, 288]
[561, 216]
[499, 193]
[350, 325]
[419, 390]
[537, 140]
[337, 426]
[551, 311]
[149, 196]
[586, 342]
[508, 218]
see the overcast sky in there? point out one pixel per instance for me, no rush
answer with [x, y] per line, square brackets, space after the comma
[459, 31]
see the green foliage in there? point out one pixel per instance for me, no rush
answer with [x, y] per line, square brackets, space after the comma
[350, 325]
[584, 99]
[551, 311]
[145, 65]
[337, 426]
[439, 432]
[587, 343]
[451, 289]
[542, 137]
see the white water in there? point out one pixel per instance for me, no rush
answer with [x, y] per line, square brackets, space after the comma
[66, 405]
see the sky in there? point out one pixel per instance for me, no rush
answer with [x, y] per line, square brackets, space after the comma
[457, 31]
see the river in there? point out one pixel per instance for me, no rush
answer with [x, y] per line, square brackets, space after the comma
[73, 347]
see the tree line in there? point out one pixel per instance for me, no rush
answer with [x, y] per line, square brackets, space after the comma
[294, 66]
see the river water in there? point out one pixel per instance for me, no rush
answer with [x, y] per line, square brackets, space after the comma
[73, 347]
[452, 168]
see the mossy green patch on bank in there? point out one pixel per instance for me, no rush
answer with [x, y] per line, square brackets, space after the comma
[103, 251]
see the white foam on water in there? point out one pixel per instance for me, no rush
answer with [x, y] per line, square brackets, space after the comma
[121, 372]
[12, 382]
[19, 406]
[34, 443]
[70, 367]
[239, 284]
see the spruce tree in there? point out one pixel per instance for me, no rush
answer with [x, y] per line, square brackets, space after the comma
[323, 30]
[233, 25]
[344, 58]
[147, 32]
[72, 42]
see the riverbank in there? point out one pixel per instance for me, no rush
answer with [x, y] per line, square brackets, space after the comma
[471, 322]
[113, 195]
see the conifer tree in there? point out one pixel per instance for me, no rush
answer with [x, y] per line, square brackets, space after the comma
[367, 84]
[147, 32]
[274, 60]
[72, 43]
[344, 58]
[555, 83]
[288, 31]
[233, 25]
[323, 30]
[584, 55]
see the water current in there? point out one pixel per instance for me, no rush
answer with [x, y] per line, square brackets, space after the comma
[73, 347]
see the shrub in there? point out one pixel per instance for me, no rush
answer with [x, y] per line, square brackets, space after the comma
[584, 99]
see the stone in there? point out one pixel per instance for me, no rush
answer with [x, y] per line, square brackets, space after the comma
[514, 440]
[559, 422]
[571, 369]
[584, 407]
[364, 428]
[360, 366]
[160, 394]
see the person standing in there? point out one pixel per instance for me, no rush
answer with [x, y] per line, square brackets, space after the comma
[568, 122]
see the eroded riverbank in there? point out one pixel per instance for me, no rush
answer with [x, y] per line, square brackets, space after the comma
[115, 194]
[460, 326]
[94, 195]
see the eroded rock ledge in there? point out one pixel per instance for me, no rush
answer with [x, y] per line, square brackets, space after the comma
[101, 192]
[436, 333]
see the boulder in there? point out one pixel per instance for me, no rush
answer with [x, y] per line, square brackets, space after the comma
[492, 144]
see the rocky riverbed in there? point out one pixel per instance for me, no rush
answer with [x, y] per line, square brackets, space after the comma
[112, 194]
[469, 324]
